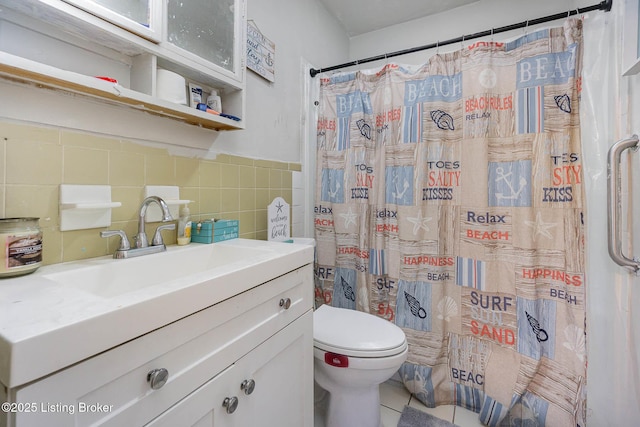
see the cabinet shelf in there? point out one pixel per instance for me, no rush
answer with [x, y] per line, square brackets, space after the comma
[23, 70]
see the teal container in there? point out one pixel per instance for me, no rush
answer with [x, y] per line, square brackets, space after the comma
[211, 231]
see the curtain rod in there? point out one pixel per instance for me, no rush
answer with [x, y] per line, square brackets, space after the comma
[604, 5]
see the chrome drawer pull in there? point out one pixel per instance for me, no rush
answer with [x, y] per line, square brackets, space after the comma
[285, 303]
[157, 378]
[231, 403]
[248, 386]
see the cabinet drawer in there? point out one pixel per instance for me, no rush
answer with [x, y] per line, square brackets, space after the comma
[192, 350]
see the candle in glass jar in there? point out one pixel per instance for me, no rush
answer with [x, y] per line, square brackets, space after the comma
[20, 246]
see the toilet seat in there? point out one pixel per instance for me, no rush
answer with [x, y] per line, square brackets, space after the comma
[356, 334]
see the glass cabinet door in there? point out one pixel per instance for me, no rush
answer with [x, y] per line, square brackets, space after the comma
[136, 10]
[142, 17]
[206, 29]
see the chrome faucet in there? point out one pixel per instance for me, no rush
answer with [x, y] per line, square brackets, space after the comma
[141, 242]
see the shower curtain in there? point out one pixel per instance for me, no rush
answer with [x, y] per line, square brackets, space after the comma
[449, 200]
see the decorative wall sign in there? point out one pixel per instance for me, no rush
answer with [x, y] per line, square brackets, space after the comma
[278, 217]
[260, 53]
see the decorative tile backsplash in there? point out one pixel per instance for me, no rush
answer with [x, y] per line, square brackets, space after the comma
[34, 161]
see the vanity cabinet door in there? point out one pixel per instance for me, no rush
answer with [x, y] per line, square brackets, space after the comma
[270, 386]
[282, 370]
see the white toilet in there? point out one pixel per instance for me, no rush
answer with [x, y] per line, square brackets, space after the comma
[354, 353]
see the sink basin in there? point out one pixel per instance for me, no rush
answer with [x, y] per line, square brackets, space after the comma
[116, 277]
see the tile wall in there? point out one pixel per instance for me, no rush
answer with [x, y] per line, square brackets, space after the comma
[34, 161]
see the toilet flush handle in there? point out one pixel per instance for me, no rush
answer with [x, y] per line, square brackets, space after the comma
[337, 360]
[285, 303]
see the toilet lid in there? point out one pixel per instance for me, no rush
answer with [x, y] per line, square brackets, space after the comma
[354, 333]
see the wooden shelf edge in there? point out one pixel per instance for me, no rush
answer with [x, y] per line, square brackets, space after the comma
[26, 71]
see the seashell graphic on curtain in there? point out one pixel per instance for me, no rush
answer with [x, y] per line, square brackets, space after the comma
[414, 306]
[563, 102]
[447, 308]
[365, 129]
[348, 290]
[442, 120]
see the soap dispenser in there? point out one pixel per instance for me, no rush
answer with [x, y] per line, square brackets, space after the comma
[184, 226]
[214, 102]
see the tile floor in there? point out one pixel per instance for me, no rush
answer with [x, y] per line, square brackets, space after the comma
[393, 398]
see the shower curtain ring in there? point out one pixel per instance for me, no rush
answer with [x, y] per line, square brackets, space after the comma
[437, 47]
[526, 27]
[492, 35]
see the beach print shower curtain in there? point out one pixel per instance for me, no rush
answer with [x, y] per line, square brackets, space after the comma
[449, 200]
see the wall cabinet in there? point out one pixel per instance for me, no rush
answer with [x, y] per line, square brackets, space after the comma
[240, 362]
[64, 45]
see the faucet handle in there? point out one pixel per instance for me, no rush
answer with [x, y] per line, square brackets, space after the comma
[124, 241]
[157, 237]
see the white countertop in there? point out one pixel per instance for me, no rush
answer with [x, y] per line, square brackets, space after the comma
[46, 325]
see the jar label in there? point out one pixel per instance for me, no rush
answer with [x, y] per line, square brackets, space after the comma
[24, 250]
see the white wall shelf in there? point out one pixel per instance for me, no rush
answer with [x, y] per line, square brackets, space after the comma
[26, 71]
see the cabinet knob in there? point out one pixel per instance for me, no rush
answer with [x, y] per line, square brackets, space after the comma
[285, 303]
[157, 378]
[248, 386]
[231, 403]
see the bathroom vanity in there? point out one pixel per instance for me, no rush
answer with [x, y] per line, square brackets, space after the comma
[206, 335]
